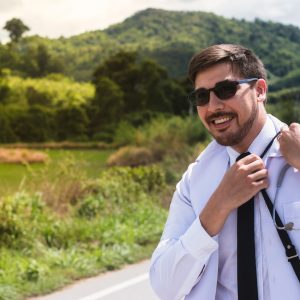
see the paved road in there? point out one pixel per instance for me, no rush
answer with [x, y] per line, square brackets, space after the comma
[130, 283]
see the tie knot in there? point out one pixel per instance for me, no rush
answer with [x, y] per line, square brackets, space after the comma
[242, 155]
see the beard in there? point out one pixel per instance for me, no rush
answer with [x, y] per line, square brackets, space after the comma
[237, 137]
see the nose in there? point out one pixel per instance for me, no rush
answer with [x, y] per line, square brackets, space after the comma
[215, 103]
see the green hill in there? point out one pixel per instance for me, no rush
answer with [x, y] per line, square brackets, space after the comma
[171, 38]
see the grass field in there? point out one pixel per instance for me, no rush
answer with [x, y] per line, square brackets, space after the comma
[14, 177]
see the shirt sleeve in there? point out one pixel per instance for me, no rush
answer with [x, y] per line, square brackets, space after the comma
[184, 249]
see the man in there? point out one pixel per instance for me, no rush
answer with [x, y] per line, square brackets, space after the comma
[198, 257]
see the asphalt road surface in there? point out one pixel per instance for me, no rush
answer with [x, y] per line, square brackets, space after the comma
[130, 283]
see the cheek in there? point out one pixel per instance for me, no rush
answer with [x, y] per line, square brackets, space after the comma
[201, 113]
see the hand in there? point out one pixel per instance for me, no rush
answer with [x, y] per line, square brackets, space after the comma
[289, 141]
[241, 182]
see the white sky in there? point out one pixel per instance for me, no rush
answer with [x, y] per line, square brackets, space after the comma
[55, 18]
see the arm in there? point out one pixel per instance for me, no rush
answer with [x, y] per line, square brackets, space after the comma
[184, 249]
[289, 141]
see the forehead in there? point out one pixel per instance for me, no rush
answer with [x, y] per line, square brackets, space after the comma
[216, 73]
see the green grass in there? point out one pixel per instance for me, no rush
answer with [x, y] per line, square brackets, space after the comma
[118, 222]
[14, 177]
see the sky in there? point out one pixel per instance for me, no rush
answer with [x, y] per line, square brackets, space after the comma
[55, 18]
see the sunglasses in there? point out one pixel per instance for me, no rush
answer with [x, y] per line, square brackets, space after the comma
[224, 90]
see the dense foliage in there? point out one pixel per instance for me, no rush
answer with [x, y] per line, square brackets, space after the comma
[37, 110]
[117, 221]
[137, 69]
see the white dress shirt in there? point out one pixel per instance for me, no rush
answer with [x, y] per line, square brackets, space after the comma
[190, 264]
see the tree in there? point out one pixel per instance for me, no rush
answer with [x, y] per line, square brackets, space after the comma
[7, 133]
[16, 29]
[107, 107]
[71, 123]
[123, 70]
[145, 84]
[43, 59]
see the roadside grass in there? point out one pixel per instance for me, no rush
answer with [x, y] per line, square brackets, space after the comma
[74, 218]
[118, 222]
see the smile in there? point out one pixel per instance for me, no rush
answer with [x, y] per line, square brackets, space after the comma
[222, 120]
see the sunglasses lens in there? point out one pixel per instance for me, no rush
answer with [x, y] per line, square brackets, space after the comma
[223, 90]
[201, 97]
[226, 90]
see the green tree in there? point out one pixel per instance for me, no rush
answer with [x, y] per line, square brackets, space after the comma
[16, 29]
[123, 70]
[72, 123]
[37, 61]
[145, 84]
[35, 124]
[43, 60]
[107, 107]
[7, 133]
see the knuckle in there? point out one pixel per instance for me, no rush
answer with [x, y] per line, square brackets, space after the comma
[261, 164]
[240, 167]
[249, 179]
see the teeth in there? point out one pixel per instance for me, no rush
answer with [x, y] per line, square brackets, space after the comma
[223, 120]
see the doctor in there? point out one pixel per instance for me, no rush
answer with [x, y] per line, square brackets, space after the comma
[220, 241]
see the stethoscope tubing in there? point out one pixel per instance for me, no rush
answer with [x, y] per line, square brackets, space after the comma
[290, 225]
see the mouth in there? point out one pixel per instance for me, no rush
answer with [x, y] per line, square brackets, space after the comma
[222, 122]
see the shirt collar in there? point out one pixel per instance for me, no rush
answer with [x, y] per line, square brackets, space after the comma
[259, 144]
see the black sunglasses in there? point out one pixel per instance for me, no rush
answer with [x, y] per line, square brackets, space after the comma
[223, 90]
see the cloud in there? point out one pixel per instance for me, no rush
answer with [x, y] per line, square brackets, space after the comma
[6, 6]
[54, 18]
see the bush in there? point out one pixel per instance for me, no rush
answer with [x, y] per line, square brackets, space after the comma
[117, 222]
[121, 186]
[131, 156]
[19, 216]
[160, 138]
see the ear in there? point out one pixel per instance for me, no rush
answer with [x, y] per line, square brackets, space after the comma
[261, 90]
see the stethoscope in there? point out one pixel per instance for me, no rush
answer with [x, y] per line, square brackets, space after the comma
[290, 225]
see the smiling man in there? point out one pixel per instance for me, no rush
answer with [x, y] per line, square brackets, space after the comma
[225, 238]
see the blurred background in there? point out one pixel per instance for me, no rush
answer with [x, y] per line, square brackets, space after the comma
[96, 129]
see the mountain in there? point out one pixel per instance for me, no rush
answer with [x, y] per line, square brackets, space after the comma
[171, 38]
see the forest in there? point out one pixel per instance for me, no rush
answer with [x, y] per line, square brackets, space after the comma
[80, 88]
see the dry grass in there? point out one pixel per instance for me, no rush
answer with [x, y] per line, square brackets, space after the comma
[22, 156]
[60, 194]
[131, 156]
[60, 145]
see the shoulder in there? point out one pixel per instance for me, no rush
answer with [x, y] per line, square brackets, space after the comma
[211, 151]
[212, 154]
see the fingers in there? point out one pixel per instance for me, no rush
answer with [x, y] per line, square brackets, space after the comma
[287, 130]
[289, 142]
[248, 159]
[261, 184]
[250, 163]
[253, 170]
[259, 175]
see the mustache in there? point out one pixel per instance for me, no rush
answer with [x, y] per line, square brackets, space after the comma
[220, 114]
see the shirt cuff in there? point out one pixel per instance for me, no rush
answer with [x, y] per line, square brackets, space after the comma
[198, 242]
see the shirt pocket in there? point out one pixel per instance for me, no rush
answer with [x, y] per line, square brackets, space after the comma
[291, 213]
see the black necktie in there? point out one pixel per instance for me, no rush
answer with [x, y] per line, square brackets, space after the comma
[246, 263]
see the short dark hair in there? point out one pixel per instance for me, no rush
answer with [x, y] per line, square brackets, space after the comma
[242, 60]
